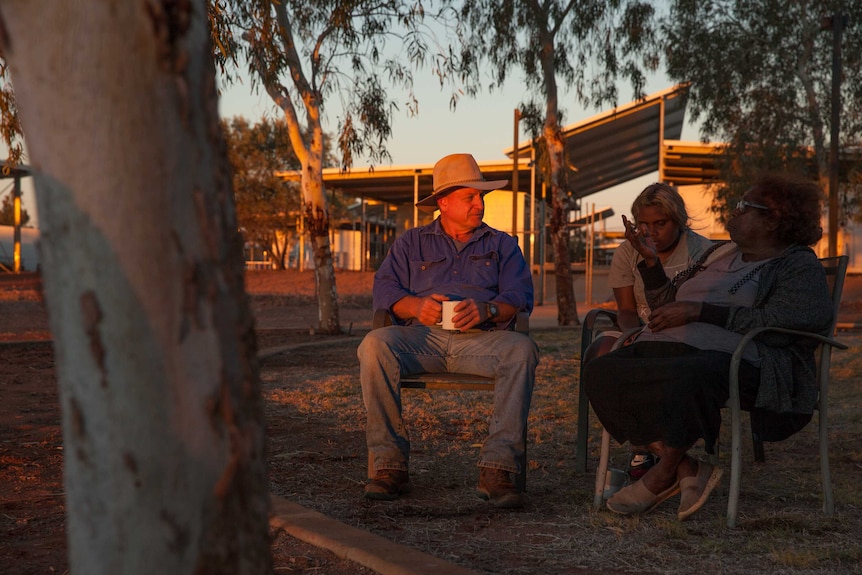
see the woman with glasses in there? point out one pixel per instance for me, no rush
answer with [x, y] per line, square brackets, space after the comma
[667, 388]
[660, 213]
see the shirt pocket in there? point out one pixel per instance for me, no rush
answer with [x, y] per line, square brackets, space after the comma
[426, 276]
[484, 270]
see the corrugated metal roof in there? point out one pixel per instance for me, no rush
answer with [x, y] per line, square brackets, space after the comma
[621, 144]
[690, 163]
[398, 184]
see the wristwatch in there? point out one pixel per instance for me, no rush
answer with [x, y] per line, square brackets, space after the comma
[492, 310]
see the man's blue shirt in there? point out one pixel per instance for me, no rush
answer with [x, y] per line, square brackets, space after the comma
[424, 261]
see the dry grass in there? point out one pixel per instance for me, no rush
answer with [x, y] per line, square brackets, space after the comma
[318, 459]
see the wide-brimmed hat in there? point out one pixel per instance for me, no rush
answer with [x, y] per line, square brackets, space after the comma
[458, 171]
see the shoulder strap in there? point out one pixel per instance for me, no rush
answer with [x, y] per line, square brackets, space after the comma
[698, 265]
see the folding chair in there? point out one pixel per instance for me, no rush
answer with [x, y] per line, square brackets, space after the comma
[836, 269]
[595, 324]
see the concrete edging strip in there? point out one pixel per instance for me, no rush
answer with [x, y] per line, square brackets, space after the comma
[369, 550]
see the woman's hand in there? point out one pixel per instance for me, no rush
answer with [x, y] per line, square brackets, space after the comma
[641, 241]
[673, 314]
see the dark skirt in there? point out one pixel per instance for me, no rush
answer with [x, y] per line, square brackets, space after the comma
[662, 391]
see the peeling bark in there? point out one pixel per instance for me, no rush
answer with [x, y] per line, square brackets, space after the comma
[317, 224]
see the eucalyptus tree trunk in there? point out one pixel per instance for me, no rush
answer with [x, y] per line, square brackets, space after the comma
[142, 266]
[317, 225]
[309, 151]
[567, 310]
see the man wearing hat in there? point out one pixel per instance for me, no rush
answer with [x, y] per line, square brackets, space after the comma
[456, 257]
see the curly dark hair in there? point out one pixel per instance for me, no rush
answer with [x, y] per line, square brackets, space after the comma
[799, 204]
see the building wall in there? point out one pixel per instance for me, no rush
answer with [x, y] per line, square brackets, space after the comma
[698, 201]
[346, 250]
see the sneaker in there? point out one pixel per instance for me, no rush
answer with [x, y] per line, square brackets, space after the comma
[495, 485]
[387, 485]
[640, 463]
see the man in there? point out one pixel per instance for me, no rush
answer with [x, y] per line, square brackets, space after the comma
[456, 257]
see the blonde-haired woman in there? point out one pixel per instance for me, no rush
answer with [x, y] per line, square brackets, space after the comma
[659, 212]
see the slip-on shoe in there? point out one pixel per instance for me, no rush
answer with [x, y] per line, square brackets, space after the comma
[696, 488]
[636, 498]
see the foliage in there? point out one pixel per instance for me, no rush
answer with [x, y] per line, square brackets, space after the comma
[587, 45]
[266, 205]
[306, 55]
[7, 212]
[591, 44]
[10, 123]
[310, 55]
[761, 80]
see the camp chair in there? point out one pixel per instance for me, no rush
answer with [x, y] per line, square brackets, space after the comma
[458, 382]
[836, 269]
[595, 324]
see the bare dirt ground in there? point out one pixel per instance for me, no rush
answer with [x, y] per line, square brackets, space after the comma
[32, 522]
[317, 458]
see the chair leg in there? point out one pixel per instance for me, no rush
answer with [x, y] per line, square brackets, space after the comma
[735, 465]
[371, 471]
[714, 457]
[825, 474]
[583, 430]
[759, 456]
[602, 470]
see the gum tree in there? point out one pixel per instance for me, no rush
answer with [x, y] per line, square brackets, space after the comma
[143, 276]
[585, 44]
[761, 80]
[264, 201]
[342, 54]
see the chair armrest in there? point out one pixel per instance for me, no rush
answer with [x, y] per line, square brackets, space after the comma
[735, 410]
[522, 322]
[382, 318]
[627, 334]
[736, 358]
[594, 314]
[589, 324]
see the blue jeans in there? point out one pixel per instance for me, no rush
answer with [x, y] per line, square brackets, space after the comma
[509, 357]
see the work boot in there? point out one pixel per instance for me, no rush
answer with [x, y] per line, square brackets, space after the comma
[495, 485]
[387, 485]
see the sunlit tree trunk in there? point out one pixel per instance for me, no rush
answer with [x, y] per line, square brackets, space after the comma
[317, 225]
[567, 310]
[309, 150]
[142, 266]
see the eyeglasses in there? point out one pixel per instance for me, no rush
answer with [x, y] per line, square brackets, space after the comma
[742, 204]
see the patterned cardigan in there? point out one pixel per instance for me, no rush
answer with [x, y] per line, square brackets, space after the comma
[792, 293]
